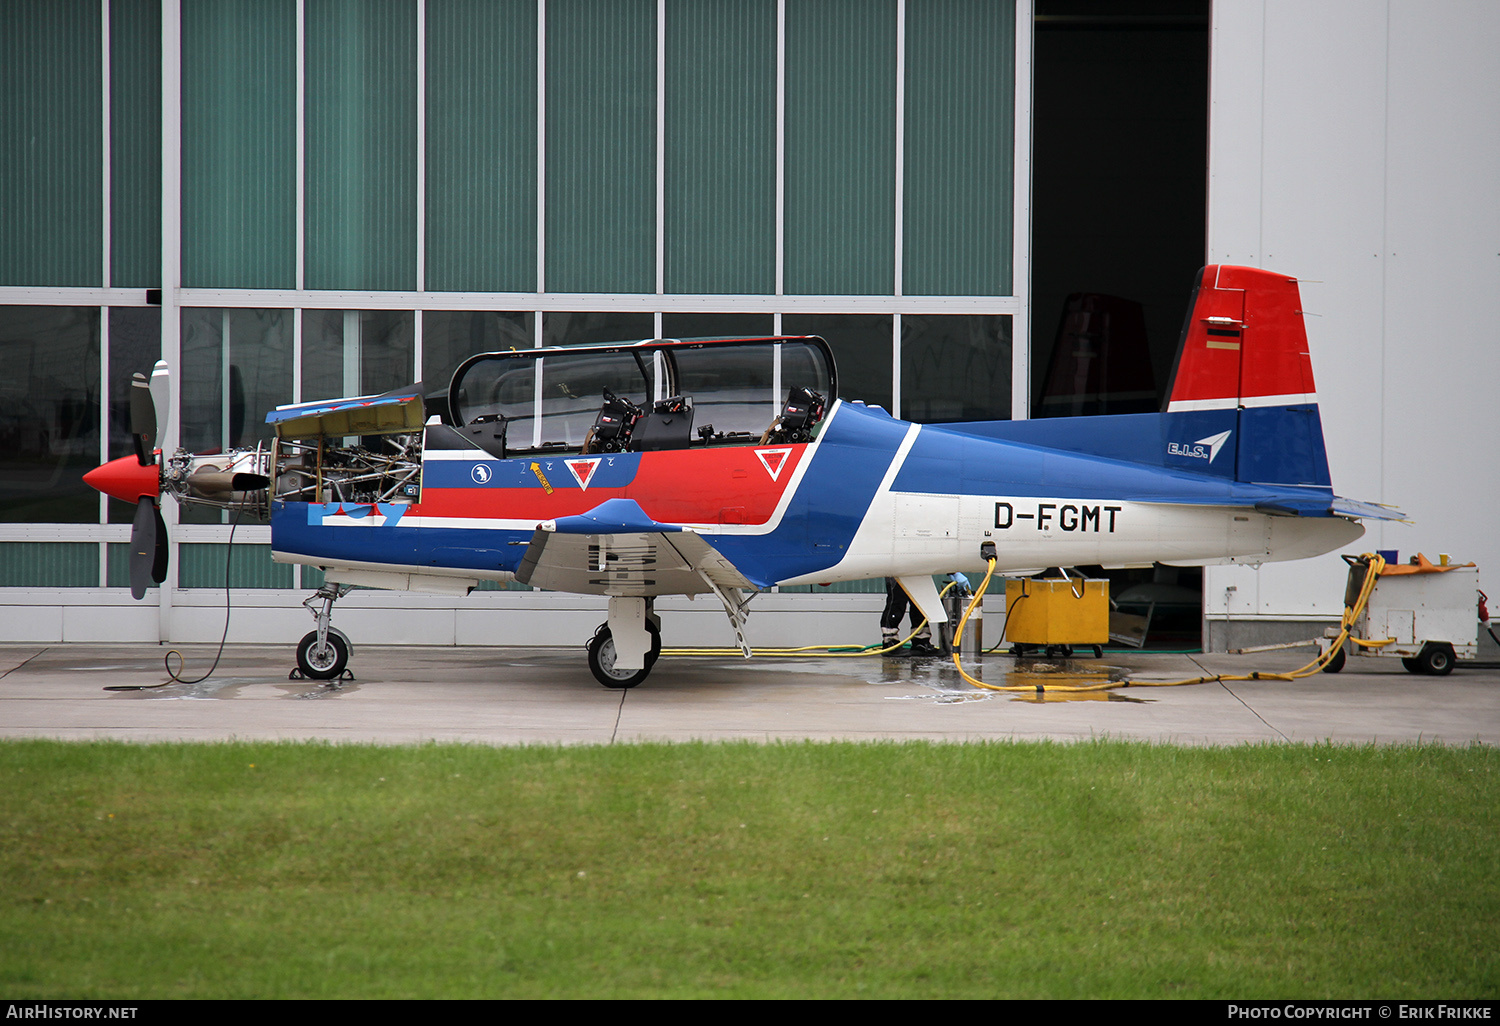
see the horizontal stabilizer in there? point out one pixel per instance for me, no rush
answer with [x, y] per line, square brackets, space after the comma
[1366, 510]
[1332, 507]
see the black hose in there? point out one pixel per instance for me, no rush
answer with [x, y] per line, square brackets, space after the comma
[167, 659]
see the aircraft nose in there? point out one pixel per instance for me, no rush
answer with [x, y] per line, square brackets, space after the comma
[125, 479]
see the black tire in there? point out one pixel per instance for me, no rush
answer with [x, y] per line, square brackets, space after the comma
[601, 649]
[1411, 664]
[1335, 664]
[325, 663]
[1436, 659]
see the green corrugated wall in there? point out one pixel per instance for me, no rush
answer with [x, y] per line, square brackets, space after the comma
[239, 143]
[959, 151]
[361, 144]
[840, 146]
[135, 143]
[481, 146]
[720, 115]
[601, 146]
[51, 145]
[202, 566]
[49, 565]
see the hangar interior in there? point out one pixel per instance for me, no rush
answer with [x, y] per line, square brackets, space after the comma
[299, 199]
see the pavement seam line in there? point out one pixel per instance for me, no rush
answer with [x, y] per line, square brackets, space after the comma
[1240, 700]
[34, 655]
[620, 711]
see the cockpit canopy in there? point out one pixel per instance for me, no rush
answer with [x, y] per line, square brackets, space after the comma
[665, 393]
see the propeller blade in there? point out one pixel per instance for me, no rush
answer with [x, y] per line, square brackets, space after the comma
[142, 419]
[143, 546]
[161, 395]
[159, 566]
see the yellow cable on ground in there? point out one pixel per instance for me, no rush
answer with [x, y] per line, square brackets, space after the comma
[819, 651]
[1375, 564]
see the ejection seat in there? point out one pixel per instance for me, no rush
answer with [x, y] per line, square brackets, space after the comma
[612, 428]
[803, 409]
[669, 425]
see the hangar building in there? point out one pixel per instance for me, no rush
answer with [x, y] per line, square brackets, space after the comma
[298, 199]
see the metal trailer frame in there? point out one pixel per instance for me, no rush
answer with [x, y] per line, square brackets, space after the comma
[1428, 611]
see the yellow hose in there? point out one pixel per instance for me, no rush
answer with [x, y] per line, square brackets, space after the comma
[1351, 613]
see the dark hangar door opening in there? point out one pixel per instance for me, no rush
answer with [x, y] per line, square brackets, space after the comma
[1119, 224]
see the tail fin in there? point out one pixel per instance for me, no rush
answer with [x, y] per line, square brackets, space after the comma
[1244, 380]
[1241, 407]
[1243, 343]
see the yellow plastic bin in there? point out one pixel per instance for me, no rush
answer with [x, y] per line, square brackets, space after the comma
[1057, 615]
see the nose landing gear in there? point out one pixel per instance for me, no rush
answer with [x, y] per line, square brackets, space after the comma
[323, 654]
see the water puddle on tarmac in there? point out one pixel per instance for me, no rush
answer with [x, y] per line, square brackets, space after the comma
[221, 688]
[945, 686]
[212, 689]
[313, 690]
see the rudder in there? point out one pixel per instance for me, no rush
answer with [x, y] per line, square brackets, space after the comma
[1244, 349]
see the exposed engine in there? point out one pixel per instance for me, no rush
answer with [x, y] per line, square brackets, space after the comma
[303, 471]
[318, 472]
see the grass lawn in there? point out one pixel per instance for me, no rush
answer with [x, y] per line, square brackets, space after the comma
[736, 870]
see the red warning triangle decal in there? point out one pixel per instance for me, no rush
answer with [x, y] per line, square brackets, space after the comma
[582, 471]
[773, 460]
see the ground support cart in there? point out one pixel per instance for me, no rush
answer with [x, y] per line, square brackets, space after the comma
[1421, 613]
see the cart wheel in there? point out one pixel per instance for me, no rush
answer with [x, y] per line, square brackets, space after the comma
[1436, 658]
[1335, 664]
[1411, 664]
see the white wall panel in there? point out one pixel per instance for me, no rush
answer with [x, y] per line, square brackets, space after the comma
[1355, 146]
[1236, 85]
[113, 623]
[1442, 281]
[31, 623]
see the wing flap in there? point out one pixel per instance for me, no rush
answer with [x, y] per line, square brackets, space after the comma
[616, 549]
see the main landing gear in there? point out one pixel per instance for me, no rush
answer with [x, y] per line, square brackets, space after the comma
[604, 664]
[625, 663]
[323, 654]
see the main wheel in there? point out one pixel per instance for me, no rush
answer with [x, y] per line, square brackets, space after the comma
[1335, 664]
[601, 650]
[1435, 659]
[322, 662]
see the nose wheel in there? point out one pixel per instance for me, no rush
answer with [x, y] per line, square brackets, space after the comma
[323, 654]
[322, 661]
[601, 649]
